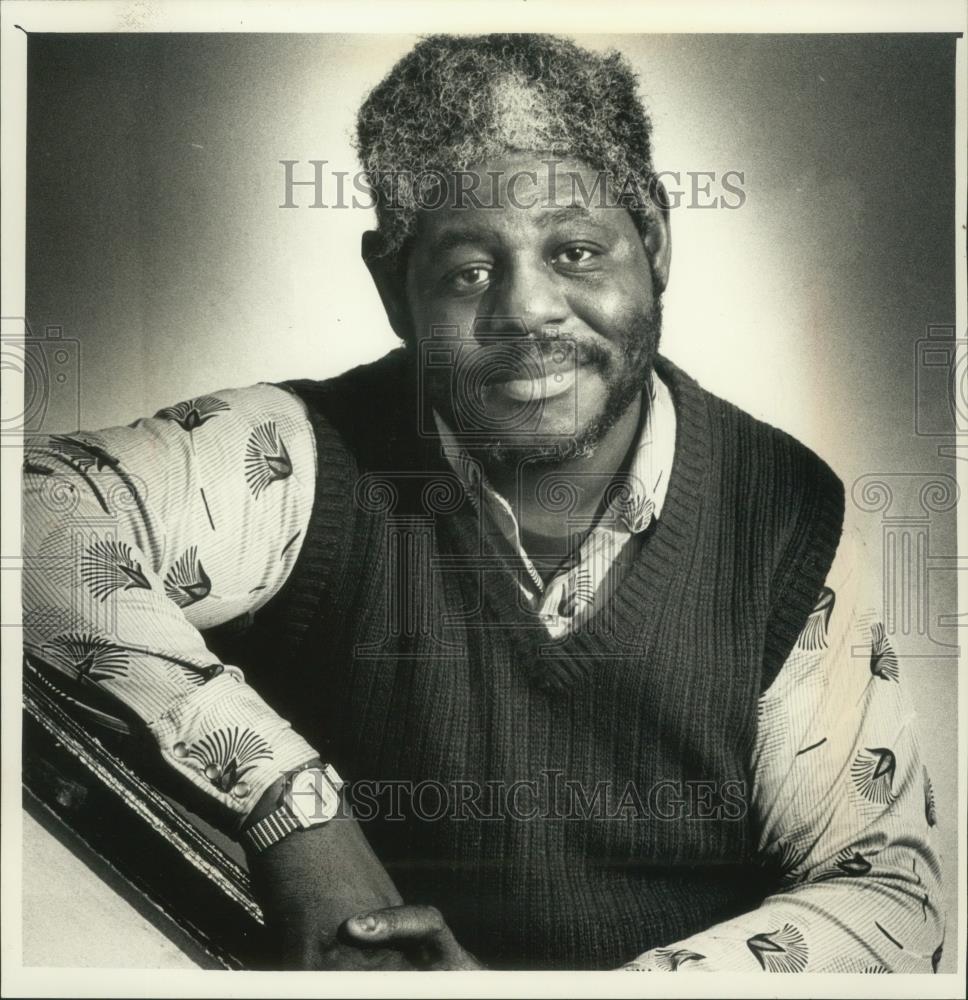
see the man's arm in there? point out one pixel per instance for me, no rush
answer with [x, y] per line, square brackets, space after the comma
[843, 806]
[137, 537]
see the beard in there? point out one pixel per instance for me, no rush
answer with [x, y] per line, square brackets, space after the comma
[624, 375]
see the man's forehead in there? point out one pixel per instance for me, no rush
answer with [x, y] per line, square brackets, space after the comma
[452, 228]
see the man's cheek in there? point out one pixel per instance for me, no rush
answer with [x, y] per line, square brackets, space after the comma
[610, 313]
[456, 315]
[591, 393]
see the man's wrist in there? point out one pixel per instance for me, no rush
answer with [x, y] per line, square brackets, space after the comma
[272, 797]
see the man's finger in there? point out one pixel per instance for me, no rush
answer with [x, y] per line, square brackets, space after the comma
[397, 925]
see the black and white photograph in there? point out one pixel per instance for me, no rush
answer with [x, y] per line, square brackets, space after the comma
[481, 494]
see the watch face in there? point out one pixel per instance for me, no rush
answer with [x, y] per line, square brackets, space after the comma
[312, 799]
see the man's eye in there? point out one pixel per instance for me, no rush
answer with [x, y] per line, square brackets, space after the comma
[469, 278]
[575, 256]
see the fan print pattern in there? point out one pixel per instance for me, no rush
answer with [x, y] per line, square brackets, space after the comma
[193, 412]
[848, 863]
[196, 676]
[884, 663]
[779, 951]
[577, 591]
[814, 634]
[82, 454]
[890, 937]
[87, 656]
[873, 772]
[35, 460]
[107, 566]
[671, 960]
[227, 755]
[148, 659]
[186, 582]
[636, 512]
[930, 811]
[266, 458]
[292, 541]
[788, 863]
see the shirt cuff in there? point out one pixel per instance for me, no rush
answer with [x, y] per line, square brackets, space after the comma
[226, 741]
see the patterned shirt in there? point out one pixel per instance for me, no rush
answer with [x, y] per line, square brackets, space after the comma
[137, 537]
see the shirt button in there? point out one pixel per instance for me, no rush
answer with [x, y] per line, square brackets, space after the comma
[180, 750]
[240, 790]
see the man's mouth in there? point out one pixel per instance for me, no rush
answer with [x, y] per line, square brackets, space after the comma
[535, 387]
[537, 375]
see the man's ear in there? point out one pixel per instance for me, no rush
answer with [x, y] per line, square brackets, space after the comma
[658, 235]
[390, 279]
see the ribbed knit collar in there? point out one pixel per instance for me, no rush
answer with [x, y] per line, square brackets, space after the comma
[645, 589]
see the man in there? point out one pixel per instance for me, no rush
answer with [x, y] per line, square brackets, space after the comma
[613, 625]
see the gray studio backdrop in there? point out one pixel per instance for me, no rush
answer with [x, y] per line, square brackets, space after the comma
[159, 256]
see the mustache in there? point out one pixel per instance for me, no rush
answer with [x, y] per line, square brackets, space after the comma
[496, 359]
[542, 343]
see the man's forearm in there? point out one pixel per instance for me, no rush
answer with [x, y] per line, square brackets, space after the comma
[312, 881]
[845, 925]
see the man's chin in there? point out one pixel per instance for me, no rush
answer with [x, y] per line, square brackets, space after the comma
[537, 450]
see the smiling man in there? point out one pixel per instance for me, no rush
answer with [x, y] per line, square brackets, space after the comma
[515, 647]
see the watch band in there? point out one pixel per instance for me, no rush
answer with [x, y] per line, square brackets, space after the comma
[270, 829]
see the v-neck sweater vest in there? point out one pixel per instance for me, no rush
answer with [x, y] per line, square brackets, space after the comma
[569, 803]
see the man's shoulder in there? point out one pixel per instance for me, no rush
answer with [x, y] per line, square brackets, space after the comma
[209, 420]
[756, 457]
[369, 410]
[376, 386]
[782, 499]
[388, 371]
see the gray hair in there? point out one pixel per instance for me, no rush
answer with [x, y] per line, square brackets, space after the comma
[457, 100]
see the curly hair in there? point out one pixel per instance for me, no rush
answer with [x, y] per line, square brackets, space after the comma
[457, 100]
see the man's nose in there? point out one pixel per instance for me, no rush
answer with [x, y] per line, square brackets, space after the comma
[525, 300]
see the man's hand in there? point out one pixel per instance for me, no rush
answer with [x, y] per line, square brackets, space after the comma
[418, 933]
[309, 883]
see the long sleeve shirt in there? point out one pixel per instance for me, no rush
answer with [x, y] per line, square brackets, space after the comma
[139, 537]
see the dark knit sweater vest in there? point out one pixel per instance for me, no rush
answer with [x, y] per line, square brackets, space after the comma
[571, 803]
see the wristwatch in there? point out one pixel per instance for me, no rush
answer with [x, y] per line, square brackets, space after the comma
[311, 798]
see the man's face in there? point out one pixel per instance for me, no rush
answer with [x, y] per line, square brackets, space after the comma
[533, 312]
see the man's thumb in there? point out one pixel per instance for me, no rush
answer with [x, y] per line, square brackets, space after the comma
[396, 925]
